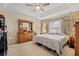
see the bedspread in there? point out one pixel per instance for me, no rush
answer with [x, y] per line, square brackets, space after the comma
[54, 42]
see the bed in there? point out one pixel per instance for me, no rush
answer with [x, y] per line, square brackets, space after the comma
[52, 41]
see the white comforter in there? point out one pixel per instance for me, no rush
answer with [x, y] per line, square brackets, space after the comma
[54, 42]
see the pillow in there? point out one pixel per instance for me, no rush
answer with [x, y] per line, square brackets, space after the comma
[60, 34]
[57, 33]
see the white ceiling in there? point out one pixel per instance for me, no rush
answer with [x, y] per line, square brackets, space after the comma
[54, 9]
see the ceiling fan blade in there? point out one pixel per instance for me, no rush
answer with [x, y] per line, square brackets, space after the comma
[45, 4]
[34, 10]
[29, 5]
[42, 9]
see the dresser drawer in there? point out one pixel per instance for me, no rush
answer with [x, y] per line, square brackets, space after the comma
[24, 37]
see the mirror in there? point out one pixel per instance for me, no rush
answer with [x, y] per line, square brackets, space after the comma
[25, 25]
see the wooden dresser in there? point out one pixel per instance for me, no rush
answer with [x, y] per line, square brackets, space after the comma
[24, 36]
[25, 32]
[77, 39]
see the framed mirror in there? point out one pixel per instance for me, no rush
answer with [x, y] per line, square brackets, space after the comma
[25, 25]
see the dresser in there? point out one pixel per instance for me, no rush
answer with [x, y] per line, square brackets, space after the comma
[25, 32]
[77, 38]
[24, 36]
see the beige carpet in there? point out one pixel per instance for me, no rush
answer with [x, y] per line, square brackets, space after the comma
[30, 49]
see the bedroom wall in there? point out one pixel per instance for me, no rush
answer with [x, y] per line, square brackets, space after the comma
[12, 25]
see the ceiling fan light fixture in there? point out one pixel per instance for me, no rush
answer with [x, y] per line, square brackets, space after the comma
[37, 7]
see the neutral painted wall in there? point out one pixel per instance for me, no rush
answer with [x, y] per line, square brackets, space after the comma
[11, 18]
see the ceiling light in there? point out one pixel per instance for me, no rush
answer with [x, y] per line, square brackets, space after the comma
[37, 7]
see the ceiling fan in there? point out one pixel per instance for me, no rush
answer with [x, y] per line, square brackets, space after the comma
[38, 6]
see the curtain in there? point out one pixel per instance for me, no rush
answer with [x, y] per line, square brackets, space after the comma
[68, 24]
[65, 25]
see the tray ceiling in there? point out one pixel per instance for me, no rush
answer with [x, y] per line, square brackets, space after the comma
[51, 9]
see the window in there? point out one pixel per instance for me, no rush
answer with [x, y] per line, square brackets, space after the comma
[54, 26]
